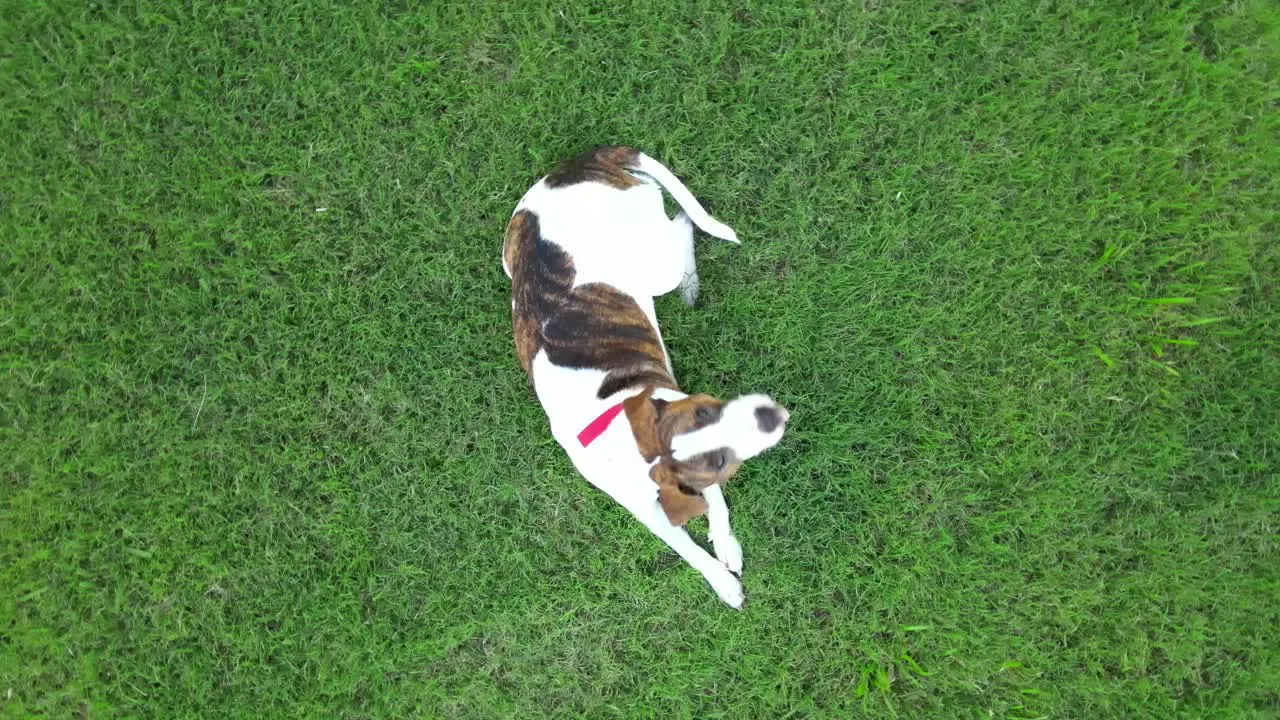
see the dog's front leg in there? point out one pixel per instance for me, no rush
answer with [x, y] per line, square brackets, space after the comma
[726, 585]
[722, 540]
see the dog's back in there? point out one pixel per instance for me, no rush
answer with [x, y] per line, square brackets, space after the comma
[592, 325]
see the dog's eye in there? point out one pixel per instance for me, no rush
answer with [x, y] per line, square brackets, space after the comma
[716, 460]
[702, 414]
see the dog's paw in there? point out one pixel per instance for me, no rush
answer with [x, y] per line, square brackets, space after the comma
[689, 289]
[729, 588]
[729, 551]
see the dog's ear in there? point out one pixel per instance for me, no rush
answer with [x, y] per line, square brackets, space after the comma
[679, 507]
[643, 412]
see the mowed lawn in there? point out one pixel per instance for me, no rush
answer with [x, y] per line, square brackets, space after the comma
[267, 451]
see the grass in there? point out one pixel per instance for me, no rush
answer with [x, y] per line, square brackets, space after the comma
[1013, 266]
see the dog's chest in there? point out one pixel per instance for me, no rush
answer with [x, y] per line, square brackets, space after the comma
[610, 458]
[569, 397]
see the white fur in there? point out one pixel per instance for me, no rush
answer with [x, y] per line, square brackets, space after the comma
[736, 429]
[625, 239]
[722, 539]
[685, 199]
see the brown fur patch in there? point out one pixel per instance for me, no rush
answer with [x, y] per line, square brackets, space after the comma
[591, 326]
[699, 472]
[679, 506]
[540, 274]
[642, 413]
[605, 164]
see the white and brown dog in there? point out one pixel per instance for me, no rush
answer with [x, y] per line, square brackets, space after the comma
[587, 249]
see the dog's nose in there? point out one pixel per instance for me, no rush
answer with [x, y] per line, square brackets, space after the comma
[768, 418]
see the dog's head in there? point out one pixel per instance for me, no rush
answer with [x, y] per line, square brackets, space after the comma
[700, 441]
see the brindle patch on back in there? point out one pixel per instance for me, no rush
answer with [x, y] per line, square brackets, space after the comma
[591, 326]
[605, 164]
[541, 274]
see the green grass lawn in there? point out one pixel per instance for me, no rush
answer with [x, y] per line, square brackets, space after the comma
[1012, 265]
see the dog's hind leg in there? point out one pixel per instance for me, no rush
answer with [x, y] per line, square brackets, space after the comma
[682, 229]
[672, 265]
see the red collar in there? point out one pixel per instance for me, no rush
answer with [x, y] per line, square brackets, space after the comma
[597, 427]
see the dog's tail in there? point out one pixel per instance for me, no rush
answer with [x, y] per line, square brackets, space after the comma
[667, 179]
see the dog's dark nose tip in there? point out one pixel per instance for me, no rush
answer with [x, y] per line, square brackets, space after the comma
[769, 418]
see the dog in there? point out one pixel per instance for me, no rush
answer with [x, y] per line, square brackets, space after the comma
[587, 250]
